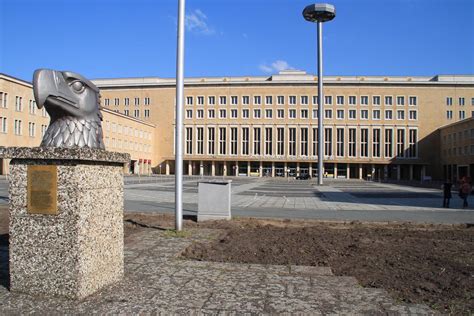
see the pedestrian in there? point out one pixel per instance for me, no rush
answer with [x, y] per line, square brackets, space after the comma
[464, 190]
[446, 193]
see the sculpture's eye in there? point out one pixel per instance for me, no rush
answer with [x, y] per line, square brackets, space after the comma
[77, 86]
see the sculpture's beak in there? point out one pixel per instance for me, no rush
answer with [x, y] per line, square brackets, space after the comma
[51, 84]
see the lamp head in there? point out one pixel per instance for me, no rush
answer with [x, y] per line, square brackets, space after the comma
[319, 12]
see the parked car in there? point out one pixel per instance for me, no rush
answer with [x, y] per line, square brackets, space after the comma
[304, 176]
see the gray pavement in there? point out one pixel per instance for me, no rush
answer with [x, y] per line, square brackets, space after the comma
[157, 281]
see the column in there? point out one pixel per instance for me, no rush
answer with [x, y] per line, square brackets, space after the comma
[335, 170]
[201, 168]
[297, 168]
[190, 167]
[360, 171]
[213, 168]
[399, 173]
[411, 172]
[286, 170]
[167, 168]
[273, 169]
[310, 169]
[248, 168]
[225, 169]
[260, 169]
[423, 173]
[236, 171]
[348, 171]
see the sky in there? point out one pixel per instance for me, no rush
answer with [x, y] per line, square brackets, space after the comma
[137, 38]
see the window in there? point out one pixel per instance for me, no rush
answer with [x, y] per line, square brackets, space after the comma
[32, 107]
[211, 100]
[462, 115]
[222, 113]
[256, 113]
[376, 142]
[352, 114]
[364, 142]
[388, 114]
[412, 101]
[233, 140]
[126, 101]
[352, 100]
[412, 115]
[400, 100]
[412, 143]
[137, 101]
[315, 100]
[292, 141]
[280, 100]
[200, 113]
[17, 127]
[388, 143]
[268, 113]
[211, 113]
[340, 114]
[200, 100]
[340, 142]
[304, 99]
[328, 99]
[3, 99]
[304, 113]
[449, 101]
[376, 114]
[43, 129]
[328, 114]
[400, 142]
[245, 113]
[189, 100]
[268, 100]
[126, 112]
[116, 101]
[246, 100]
[292, 100]
[280, 141]
[222, 140]
[211, 138]
[200, 140]
[106, 102]
[292, 113]
[233, 113]
[461, 101]
[189, 140]
[400, 115]
[304, 141]
[449, 114]
[376, 100]
[18, 103]
[472, 101]
[256, 140]
[352, 142]
[189, 114]
[147, 101]
[315, 114]
[315, 150]
[222, 100]
[268, 141]
[364, 114]
[328, 141]
[257, 100]
[245, 141]
[280, 113]
[234, 100]
[364, 100]
[388, 100]
[136, 113]
[147, 113]
[340, 100]
[3, 125]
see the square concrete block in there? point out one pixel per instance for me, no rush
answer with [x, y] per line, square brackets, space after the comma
[214, 200]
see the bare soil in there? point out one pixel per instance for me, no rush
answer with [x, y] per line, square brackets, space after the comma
[430, 264]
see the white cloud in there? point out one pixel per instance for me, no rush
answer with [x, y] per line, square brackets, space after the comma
[196, 21]
[276, 66]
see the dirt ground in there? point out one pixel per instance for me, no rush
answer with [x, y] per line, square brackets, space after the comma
[430, 264]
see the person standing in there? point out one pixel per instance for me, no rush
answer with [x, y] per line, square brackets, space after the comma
[447, 193]
[464, 191]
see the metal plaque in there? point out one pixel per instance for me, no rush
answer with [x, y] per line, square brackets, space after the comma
[43, 190]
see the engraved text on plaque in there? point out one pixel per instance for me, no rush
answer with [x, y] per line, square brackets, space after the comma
[42, 189]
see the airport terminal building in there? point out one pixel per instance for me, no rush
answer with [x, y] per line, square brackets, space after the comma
[374, 127]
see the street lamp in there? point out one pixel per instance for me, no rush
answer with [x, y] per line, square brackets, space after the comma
[320, 12]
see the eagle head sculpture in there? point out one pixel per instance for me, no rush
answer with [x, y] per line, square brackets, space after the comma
[72, 102]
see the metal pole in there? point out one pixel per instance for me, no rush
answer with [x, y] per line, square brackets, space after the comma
[179, 119]
[320, 103]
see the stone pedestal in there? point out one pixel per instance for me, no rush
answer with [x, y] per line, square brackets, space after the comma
[214, 200]
[79, 249]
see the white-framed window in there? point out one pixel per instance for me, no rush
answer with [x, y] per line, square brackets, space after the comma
[116, 101]
[304, 99]
[222, 113]
[257, 100]
[3, 125]
[257, 113]
[292, 141]
[126, 101]
[211, 100]
[257, 140]
[17, 127]
[233, 113]
[376, 100]
[413, 115]
[126, 112]
[412, 100]
[461, 101]
[18, 104]
[328, 99]
[211, 140]
[340, 100]
[211, 113]
[352, 100]
[280, 100]
[280, 141]
[222, 100]
[449, 101]
[304, 113]
[388, 100]
[315, 100]
[364, 100]
[292, 113]
[340, 114]
[147, 101]
[280, 113]
[189, 114]
[364, 114]
[352, 114]
[303, 141]
[400, 100]
[314, 142]
[268, 113]
[315, 114]
[200, 100]
[292, 99]
[136, 113]
[400, 143]
[364, 142]
[189, 100]
[245, 113]
[376, 142]
[189, 140]
[388, 114]
[200, 140]
[472, 101]
[376, 114]
[328, 141]
[106, 102]
[462, 115]
[245, 100]
[222, 140]
[32, 106]
[245, 141]
[137, 101]
[233, 140]
[328, 113]
[234, 100]
[400, 114]
[268, 141]
[200, 113]
[388, 143]
[43, 129]
[147, 113]
[268, 100]
[352, 148]
[412, 143]
[3, 99]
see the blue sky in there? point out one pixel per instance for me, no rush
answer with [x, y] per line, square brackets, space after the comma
[136, 38]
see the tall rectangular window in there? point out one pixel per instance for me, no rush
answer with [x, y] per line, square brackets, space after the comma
[328, 141]
[17, 127]
[352, 142]
[211, 100]
[340, 100]
[340, 142]
[126, 101]
[32, 107]
[304, 99]
[364, 100]
[400, 142]
[376, 142]
[211, 139]
[412, 149]
[245, 99]
[222, 100]
[304, 141]
[18, 103]
[257, 138]
[388, 100]
[245, 141]
[200, 100]
[233, 140]
[189, 140]
[364, 142]
[268, 100]
[3, 125]
[234, 100]
[412, 101]
[222, 140]
[189, 100]
[280, 141]
[388, 143]
[200, 140]
[2, 102]
[268, 141]
[31, 129]
[292, 141]
[376, 100]
[315, 148]
[280, 100]
[449, 101]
